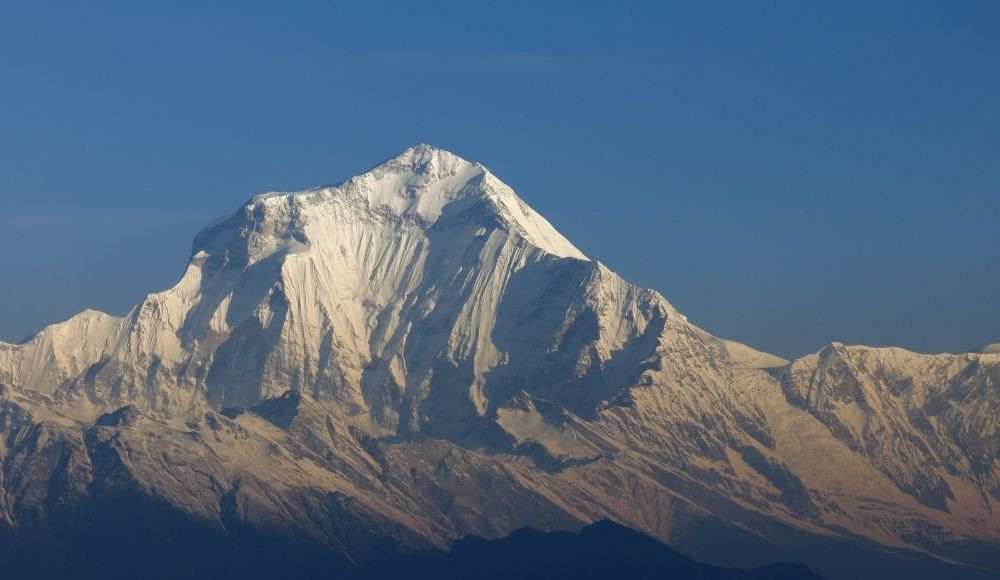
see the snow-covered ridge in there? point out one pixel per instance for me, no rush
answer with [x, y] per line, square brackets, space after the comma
[422, 184]
[741, 354]
[58, 352]
[991, 348]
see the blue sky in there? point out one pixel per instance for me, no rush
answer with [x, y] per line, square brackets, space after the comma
[786, 173]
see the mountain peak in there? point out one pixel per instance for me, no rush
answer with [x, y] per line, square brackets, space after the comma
[422, 181]
[421, 186]
[426, 159]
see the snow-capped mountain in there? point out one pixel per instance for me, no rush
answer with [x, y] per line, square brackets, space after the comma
[416, 354]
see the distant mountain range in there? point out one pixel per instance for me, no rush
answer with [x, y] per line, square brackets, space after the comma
[601, 550]
[414, 356]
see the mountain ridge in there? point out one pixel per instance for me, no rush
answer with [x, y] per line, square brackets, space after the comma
[418, 352]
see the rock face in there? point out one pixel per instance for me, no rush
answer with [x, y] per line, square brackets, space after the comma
[416, 354]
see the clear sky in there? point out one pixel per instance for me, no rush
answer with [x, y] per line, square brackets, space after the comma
[786, 173]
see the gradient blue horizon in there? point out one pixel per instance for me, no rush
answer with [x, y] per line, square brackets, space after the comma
[785, 173]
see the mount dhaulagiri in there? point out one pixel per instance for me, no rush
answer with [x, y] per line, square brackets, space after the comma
[414, 356]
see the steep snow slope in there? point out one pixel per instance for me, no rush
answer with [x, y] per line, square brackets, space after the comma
[57, 353]
[741, 354]
[419, 343]
[929, 423]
